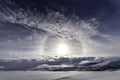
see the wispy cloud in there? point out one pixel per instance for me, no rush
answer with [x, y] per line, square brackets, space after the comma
[55, 24]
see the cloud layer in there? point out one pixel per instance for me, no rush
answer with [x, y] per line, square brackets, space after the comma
[54, 23]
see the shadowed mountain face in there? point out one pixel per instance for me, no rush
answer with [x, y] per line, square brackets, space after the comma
[61, 64]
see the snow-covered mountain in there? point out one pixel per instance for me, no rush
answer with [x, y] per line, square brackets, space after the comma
[61, 64]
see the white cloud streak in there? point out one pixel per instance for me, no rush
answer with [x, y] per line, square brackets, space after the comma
[54, 23]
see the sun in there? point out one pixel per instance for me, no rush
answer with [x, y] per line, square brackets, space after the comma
[62, 49]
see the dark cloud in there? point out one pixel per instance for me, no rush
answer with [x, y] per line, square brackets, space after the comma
[9, 31]
[83, 8]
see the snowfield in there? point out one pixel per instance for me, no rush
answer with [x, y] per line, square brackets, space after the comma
[67, 75]
[89, 68]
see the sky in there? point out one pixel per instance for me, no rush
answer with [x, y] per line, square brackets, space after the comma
[35, 28]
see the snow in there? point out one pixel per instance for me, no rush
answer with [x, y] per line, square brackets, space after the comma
[66, 75]
[61, 64]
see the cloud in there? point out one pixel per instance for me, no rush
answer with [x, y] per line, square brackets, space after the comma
[61, 64]
[56, 24]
